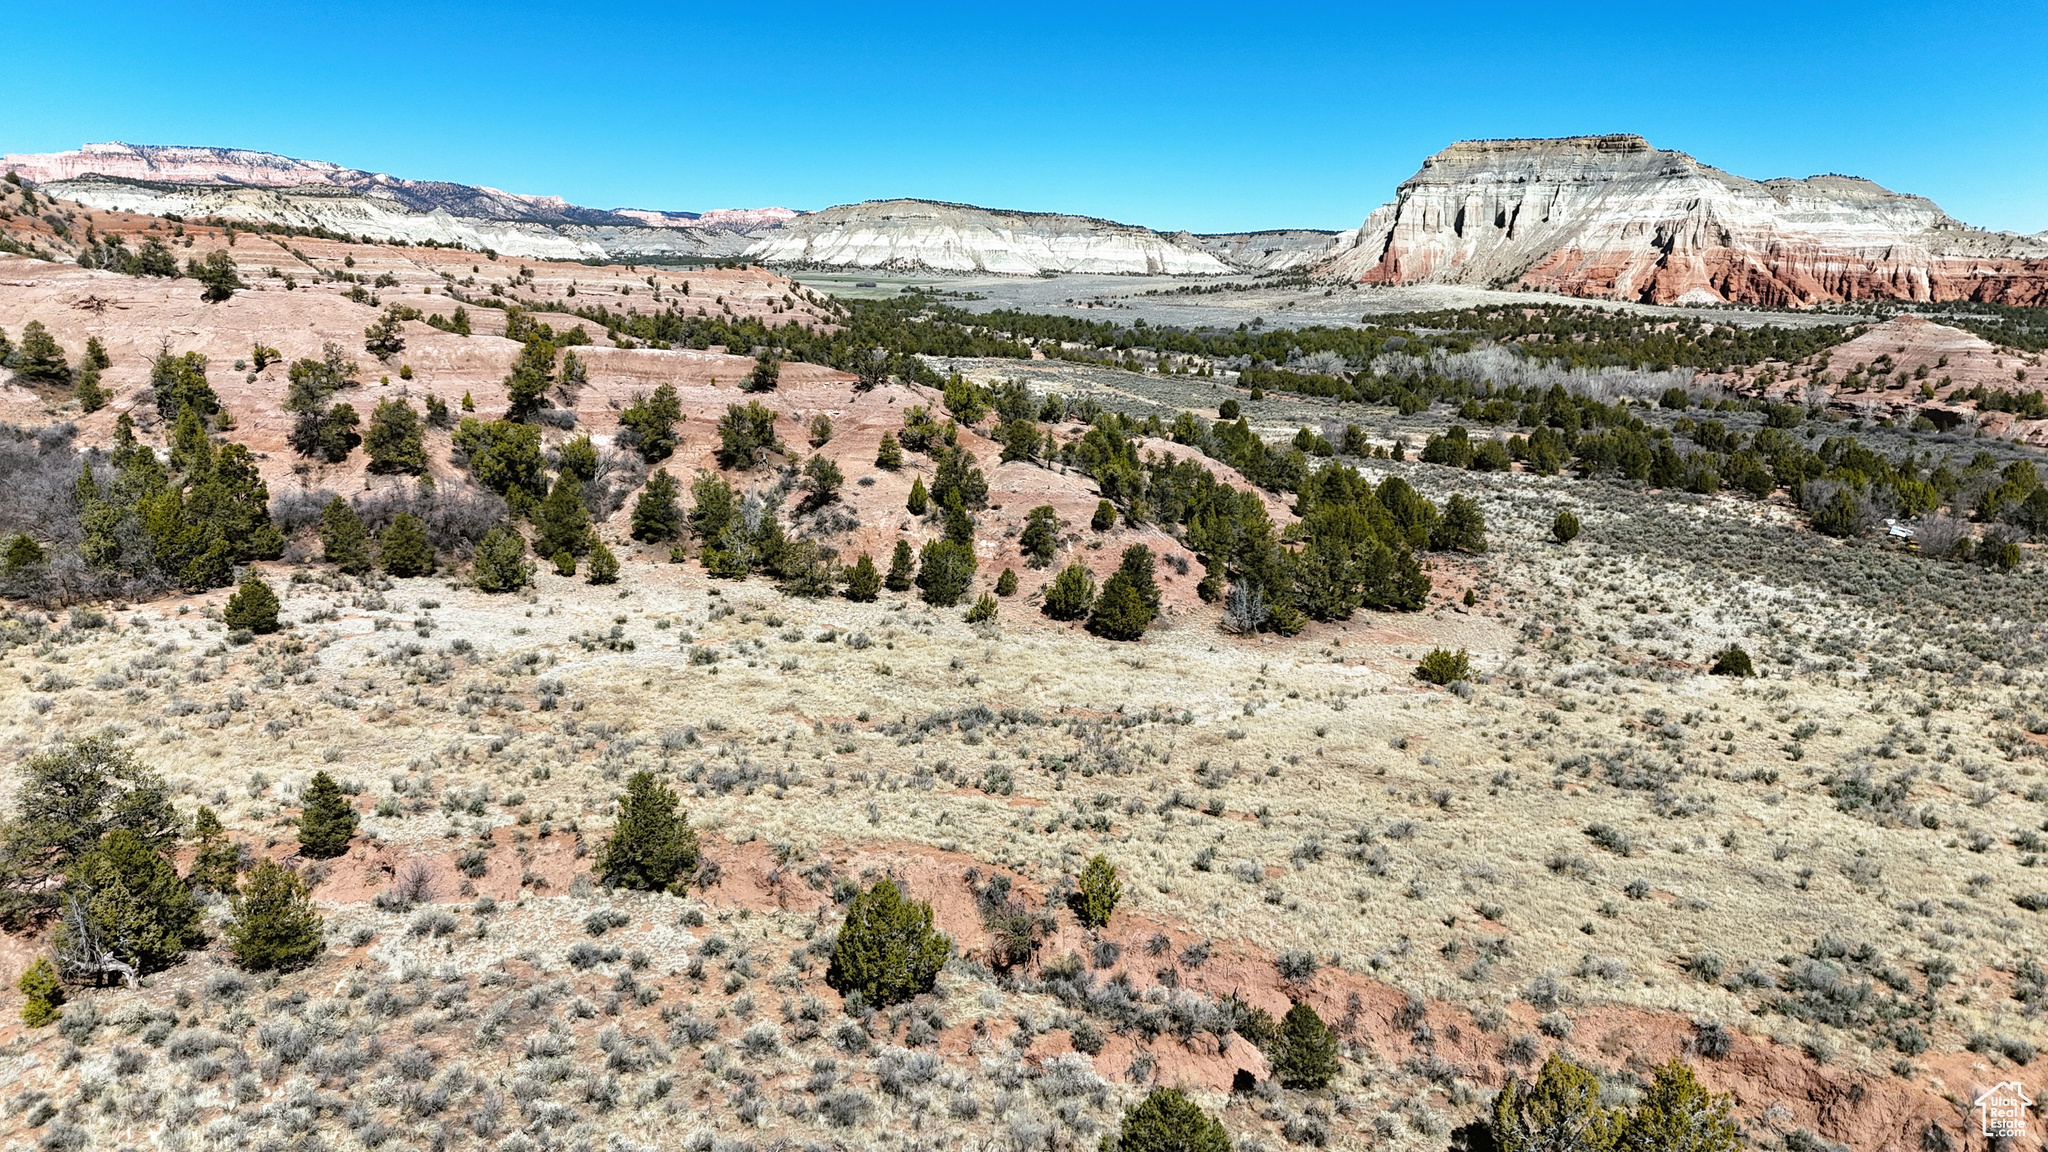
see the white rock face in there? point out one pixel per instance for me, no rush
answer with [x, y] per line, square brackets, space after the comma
[1275, 251]
[922, 234]
[258, 186]
[1612, 216]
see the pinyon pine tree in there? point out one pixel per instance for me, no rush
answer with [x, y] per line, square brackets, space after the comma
[253, 606]
[1098, 892]
[1167, 1121]
[652, 846]
[1308, 1049]
[887, 950]
[274, 925]
[327, 820]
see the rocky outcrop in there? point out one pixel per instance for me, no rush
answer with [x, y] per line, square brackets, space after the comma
[929, 236]
[239, 184]
[1279, 250]
[1614, 217]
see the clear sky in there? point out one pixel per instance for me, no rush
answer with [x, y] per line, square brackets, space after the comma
[1189, 115]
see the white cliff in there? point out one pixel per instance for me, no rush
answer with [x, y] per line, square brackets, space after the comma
[925, 235]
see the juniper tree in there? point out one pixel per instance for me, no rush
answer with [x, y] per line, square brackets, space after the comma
[887, 950]
[1307, 1056]
[218, 859]
[42, 991]
[919, 500]
[1098, 892]
[327, 819]
[69, 799]
[862, 580]
[562, 523]
[656, 516]
[126, 911]
[604, 567]
[217, 274]
[1006, 584]
[500, 563]
[1560, 1113]
[344, 542]
[40, 359]
[1040, 538]
[1167, 1121]
[648, 424]
[889, 456]
[1129, 601]
[253, 606]
[275, 925]
[944, 568]
[902, 568]
[1677, 1114]
[403, 549]
[1072, 593]
[394, 441]
[1461, 529]
[652, 847]
[526, 386]
[1565, 528]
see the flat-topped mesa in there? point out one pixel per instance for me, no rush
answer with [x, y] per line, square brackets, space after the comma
[935, 236]
[1615, 217]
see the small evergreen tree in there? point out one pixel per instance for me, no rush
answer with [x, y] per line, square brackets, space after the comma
[385, 337]
[887, 950]
[1040, 538]
[1130, 599]
[219, 858]
[1006, 584]
[1733, 662]
[902, 568]
[1308, 1050]
[526, 388]
[746, 433]
[648, 425]
[1167, 1121]
[984, 610]
[652, 847]
[92, 395]
[1561, 1113]
[275, 926]
[919, 500]
[1097, 895]
[403, 549]
[821, 483]
[43, 991]
[1104, 518]
[22, 552]
[862, 580]
[327, 819]
[69, 799]
[604, 567]
[1443, 666]
[218, 274]
[821, 430]
[438, 415]
[889, 456]
[565, 563]
[40, 359]
[766, 374]
[1677, 1114]
[944, 568]
[562, 523]
[1565, 528]
[125, 902]
[253, 606]
[394, 442]
[1072, 594]
[656, 516]
[1841, 516]
[344, 542]
[1462, 527]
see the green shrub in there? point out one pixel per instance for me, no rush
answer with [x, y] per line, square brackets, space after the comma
[565, 563]
[1733, 662]
[1677, 1114]
[1442, 666]
[902, 568]
[215, 863]
[919, 500]
[126, 899]
[69, 798]
[863, 581]
[1040, 538]
[1307, 1056]
[253, 606]
[656, 516]
[344, 542]
[944, 568]
[652, 847]
[984, 610]
[1104, 518]
[1098, 892]
[889, 456]
[327, 820]
[1167, 1121]
[1072, 594]
[43, 991]
[393, 441]
[746, 433]
[403, 549]
[1565, 528]
[1462, 528]
[275, 926]
[648, 424]
[1130, 599]
[887, 950]
[604, 567]
[500, 563]
[562, 523]
[1006, 584]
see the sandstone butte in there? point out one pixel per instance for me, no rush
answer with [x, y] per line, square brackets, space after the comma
[1614, 217]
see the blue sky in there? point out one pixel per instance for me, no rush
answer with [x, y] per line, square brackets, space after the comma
[1208, 117]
